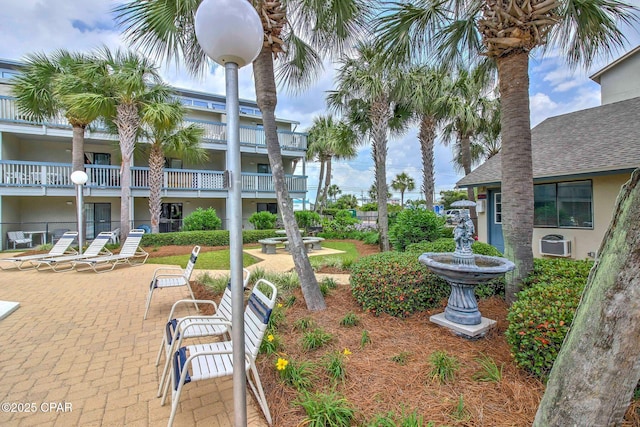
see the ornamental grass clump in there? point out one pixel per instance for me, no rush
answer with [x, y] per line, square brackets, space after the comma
[315, 339]
[396, 283]
[325, 409]
[299, 375]
[443, 367]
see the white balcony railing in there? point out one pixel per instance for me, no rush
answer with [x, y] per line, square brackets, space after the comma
[214, 131]
[38, 174]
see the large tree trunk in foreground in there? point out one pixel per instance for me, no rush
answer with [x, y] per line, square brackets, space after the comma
[267, 99]
[598, 367]
[517, 169]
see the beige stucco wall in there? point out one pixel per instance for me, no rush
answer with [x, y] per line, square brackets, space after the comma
[583, 241]
[621, 82]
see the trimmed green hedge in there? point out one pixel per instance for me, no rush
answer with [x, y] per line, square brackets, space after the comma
[396, 283]
[203, 238]
[449, 245]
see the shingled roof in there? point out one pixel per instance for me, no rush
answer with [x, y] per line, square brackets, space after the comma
[596, 140]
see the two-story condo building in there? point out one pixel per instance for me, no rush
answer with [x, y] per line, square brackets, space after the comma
[38, 197]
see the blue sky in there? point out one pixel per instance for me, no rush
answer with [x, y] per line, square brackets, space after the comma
[34, 25]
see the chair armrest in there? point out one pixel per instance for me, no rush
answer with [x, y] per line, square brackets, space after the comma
[191, 301]
[161, 270]
[205, 321]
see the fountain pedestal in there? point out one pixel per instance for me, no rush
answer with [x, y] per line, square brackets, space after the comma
[465, 331]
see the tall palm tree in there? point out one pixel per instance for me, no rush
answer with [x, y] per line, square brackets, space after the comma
[468, 109]
[424, 91]
[328, 140]
[167, 137]
[41, 89]
[129, 85]
[369, 92]
[403, 182]
[457, 31]
[166, 29]
[334, 191]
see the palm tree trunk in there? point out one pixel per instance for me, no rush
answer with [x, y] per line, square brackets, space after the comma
[128, 122]
[156, 167]
[593, 378]
[267, 99]
[318, 203]
[517, 169]
[380, 125]
[427, 136]
[327, 183]
[77, 147]
[465, 151]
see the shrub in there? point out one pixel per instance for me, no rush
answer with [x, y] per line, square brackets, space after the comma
[449, 245]
[396, 284]
[415, 225]
[542, 315]
[203, 238]
[307, 219]
[202, 219]
[342, 222]
[264, 220]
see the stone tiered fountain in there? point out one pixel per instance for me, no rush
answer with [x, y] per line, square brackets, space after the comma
[463, 270]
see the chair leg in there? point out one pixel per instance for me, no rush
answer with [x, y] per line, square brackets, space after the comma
[166, 377]
[175, 399]
[258, 391]
[148, 304]
[193, 297]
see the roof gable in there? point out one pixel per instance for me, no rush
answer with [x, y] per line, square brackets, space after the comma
[596, 140]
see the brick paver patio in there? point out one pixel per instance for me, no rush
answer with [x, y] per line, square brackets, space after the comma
[77, 353]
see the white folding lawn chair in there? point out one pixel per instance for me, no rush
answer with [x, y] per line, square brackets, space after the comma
[26, 262]
[172, 277]
[207, 361]
[196, 326]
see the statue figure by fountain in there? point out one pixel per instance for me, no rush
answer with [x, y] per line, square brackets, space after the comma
[463, 234]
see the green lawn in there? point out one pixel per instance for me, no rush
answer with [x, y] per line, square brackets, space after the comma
[214, 260]
[219, 260]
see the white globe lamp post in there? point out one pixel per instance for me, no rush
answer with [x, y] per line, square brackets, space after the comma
[230, 32]
[79, 178]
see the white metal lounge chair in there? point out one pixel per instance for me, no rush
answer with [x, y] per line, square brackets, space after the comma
[65, 262]
[172, 277]
[26, 262]
[215, 360]
[203, 326]
[131, 253]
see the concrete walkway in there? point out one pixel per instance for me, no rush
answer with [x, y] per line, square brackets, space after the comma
[77, 351]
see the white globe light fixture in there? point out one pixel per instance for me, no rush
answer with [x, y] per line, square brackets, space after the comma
[79, 178]
[230, 33]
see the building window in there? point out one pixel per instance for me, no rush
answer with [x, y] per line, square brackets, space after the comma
[497, 208]
[563, 205]
[269, 207]
[264, 168]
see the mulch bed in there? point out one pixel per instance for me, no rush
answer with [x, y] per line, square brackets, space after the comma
[376, 384]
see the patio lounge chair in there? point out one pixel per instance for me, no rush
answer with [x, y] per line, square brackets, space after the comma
[26, 262]
[65, 262]
[131, 253]
[171, 277]
[203, 326]
[18, 238]
[215, 360]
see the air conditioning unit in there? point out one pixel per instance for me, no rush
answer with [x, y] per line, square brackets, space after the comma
[555, 245]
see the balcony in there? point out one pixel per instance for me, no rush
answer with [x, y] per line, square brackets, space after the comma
[215, 132]
[21, 176]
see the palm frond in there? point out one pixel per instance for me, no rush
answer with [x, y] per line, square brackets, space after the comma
[588, 28]
[300, 67]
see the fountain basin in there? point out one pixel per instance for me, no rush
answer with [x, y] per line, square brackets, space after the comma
[485, 267]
